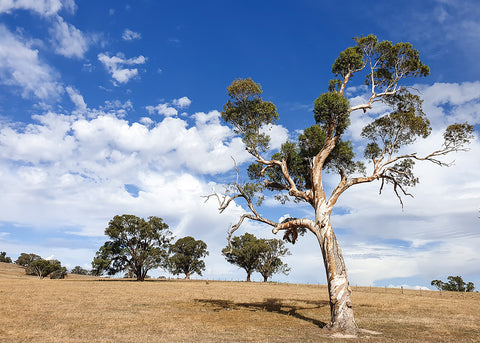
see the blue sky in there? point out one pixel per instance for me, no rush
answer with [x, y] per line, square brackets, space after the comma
[112, 107]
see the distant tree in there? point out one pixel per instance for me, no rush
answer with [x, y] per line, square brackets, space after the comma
[25, 259]
[454, 284]
[42, 268]
[4, 258]
[187, 254]
[270, 262]
[135, 244]
[245, 251]
[79, 270]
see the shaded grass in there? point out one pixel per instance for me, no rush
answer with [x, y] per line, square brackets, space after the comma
[87, 310]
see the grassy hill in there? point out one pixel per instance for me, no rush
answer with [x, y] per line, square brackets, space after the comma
[89, 310]
[14, 271]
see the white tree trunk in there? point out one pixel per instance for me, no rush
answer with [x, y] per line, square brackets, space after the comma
[341, 312]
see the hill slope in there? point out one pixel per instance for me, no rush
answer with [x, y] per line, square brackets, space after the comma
[14, 271]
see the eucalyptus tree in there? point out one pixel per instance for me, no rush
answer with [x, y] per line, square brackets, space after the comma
[187, 256]
[455, 284]
[42, 268]
[135, 244]
[245, 251]
[270, 261]
[297, 171]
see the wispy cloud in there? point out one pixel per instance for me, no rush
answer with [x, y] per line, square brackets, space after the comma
[42, 7]
[68, 40]
[130, 35]
[20, 66]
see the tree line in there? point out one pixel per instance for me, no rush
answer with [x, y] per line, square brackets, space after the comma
[136, 246]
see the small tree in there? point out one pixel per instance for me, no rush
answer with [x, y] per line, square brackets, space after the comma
[270, 262]
[454, 284]
[79, 270]
[4, 258]
[135, 244]
[245, 252]
[187, 254]
[25, 259]
[42, 268]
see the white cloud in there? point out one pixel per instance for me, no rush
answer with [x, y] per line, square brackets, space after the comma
[42, 7]
[162, 109]
[278, 135]
[70, 171]
[68, 40]
[115, 66]
[167, 110]
[182, 102]
[20, 66]
[77, 99]
[129, 35]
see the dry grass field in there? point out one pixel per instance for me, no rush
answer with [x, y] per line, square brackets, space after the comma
[86, 309]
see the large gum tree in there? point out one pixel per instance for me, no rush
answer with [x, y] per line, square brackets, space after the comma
[297, 171]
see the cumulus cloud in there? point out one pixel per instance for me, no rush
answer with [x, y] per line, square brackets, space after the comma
[130, 35]
[182, 102]
[21, 66]
[72, 171]
[115, 65]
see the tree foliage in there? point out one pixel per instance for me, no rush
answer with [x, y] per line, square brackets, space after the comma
[270, 261]
[136, 244]
[4, 258]
[42, 268]
[59, 273]
[454, 284]
[186, 257]
[245, 251]
[248, 113]
[25, 259]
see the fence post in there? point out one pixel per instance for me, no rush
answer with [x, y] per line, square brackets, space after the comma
[402, 289]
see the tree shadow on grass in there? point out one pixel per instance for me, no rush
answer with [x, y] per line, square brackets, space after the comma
[271, 305]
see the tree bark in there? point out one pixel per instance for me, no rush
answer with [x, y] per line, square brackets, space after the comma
[341, 312]
[248, 276]
[265, 278]
[187, 275]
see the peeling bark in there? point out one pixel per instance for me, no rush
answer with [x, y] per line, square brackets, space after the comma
[341, 312]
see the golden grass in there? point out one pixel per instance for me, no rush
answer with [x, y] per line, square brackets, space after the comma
[92, 310]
